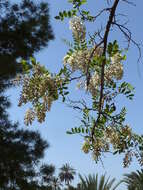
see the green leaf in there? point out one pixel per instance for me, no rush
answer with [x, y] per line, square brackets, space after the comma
[66, 93]
[69, 14]
[73, 131]
[79, 130]
[57, 17]
[69, 132]
[87, 130]
[82, 130]
[83, 2]
[76, 130]
[33, 60]
[65, 13]
[85, 12]
[25, 66]
[64, 99]
[115, 152]
[61, 14]
[83, 121]
[124, 57]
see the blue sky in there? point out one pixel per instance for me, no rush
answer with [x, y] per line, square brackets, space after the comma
[65, 148]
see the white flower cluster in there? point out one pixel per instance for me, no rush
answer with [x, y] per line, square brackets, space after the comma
[94, 84]
[112, 71]
[116, 58]
[115, 69]
[77, 27]
[29, 117]
[79, 60]
[110, 136]
[40, 89]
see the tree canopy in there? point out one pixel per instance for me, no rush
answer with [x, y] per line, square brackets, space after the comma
[20, 155]
[24, 30]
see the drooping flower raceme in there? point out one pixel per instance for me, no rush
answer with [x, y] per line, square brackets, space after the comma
[77, 27]
[41, 90]
[115, 69]
[29, 117]
[109, 136]
[79, 60]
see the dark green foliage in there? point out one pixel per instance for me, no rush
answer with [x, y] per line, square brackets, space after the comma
[47, 171]
[21, 152]
[65, 14]
[134, 180]
[127, 89]
[113, 48]
[24, 30]
[92, 182]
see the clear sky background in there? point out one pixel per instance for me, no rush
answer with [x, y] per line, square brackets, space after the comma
[65, 148]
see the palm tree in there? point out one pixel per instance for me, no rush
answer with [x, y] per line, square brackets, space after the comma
[56, 183]
[66, 174]
[46, 173]
[134, 180]
[91, 183]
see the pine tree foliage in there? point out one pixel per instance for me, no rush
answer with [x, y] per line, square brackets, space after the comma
[24, 30]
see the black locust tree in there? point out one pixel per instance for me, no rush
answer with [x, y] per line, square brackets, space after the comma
[96, 63]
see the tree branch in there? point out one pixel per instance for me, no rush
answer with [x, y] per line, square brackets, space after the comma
[105, 41]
